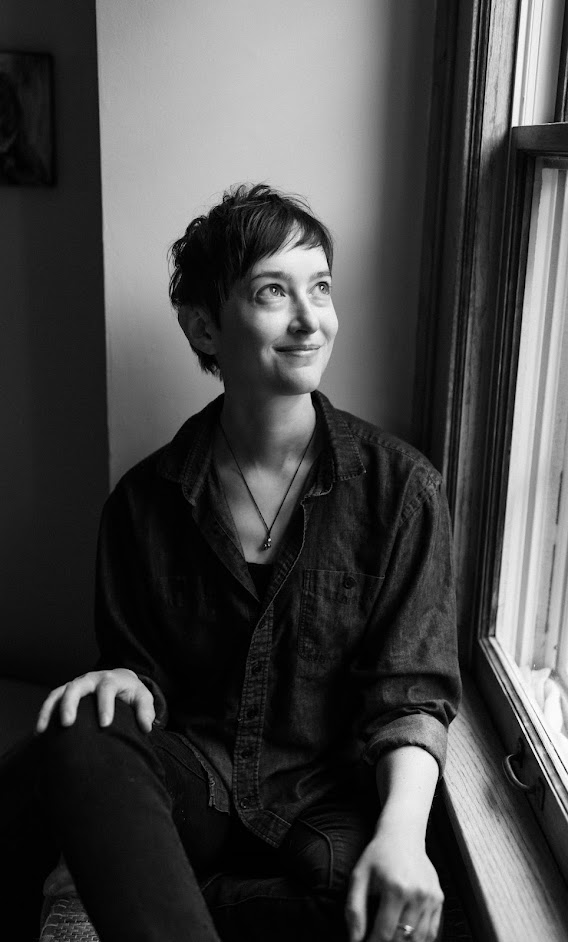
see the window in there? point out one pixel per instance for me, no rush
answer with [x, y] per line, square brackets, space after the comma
[523, 643]
[538, 53]
[531, 627]
[492, 390]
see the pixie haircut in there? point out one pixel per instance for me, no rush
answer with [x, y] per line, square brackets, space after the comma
[218, 249]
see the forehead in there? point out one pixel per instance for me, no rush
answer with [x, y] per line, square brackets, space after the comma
[294, 260]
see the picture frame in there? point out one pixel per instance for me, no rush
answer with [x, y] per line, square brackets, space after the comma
[26, 119]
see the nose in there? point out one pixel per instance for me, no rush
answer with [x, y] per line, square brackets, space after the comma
[305, 317]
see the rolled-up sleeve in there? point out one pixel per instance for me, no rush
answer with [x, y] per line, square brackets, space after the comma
[407, 673]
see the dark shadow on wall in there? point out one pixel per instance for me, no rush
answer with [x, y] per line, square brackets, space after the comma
[54, 468]
[402, 146]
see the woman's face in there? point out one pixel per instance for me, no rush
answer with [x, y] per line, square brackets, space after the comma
[278, 325]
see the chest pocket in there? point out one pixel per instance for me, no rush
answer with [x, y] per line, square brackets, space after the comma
[334, 610]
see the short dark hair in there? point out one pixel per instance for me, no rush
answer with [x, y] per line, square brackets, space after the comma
[249, 224]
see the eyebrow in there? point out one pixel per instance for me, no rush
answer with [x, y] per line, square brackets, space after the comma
[284, 276]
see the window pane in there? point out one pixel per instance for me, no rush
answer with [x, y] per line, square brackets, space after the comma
[532, 619]
[538, 60]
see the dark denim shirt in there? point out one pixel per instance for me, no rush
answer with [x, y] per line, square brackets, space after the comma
[352, 651]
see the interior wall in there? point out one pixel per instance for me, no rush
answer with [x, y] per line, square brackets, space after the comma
[328, 99]
[54, 467]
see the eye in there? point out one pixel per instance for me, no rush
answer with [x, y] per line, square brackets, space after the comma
[323, 287]
[270, 292]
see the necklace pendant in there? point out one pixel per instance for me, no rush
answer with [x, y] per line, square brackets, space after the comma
[267, 543]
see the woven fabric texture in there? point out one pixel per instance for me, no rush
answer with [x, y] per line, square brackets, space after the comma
[67, 921]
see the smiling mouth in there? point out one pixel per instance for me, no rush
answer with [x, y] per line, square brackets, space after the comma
[298, 349]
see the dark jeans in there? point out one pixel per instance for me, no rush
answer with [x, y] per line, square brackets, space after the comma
[154, 862]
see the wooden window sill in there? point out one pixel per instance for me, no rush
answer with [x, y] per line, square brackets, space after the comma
[519, 895]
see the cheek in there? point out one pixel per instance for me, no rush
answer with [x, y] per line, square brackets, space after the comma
[332, 326]
[239, 337]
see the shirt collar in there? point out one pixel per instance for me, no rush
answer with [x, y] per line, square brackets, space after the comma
[187, 457]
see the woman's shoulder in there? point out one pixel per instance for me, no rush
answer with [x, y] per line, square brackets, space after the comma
[174, 461]
[382, 448]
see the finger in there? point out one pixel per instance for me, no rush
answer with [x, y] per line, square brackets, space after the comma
[421, 923]
[389, 915]
[74, 692]
[106, 695]
[417, 915]
[48, 705]
[356, 906]
[144, 707]
[435, 923]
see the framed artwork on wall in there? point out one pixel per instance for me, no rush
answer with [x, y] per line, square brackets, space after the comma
[26, 119]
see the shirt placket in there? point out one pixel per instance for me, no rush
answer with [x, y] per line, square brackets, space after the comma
[248, 744]
[250, 802]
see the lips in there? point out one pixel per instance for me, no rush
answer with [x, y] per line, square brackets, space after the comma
[298, 349]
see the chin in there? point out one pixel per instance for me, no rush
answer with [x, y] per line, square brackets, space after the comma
[299, 385]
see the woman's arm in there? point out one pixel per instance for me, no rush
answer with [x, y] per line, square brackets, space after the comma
[394, 866]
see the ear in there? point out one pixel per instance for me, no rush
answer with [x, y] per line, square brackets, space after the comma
[199, 328]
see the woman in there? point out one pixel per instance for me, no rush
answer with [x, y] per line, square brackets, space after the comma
[275, 618]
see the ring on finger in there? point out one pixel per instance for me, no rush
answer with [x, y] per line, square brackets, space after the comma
[404, 931]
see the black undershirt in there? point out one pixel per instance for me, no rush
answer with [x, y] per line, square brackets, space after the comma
[261, 574]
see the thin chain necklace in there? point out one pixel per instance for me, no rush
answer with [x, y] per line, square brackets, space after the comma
[268, 541]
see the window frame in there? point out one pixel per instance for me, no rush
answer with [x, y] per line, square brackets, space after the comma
[479, 194]
[516, 723]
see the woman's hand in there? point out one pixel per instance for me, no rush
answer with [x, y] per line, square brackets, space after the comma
[395, 869]
[108, 685]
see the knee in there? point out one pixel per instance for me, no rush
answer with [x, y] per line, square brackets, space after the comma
[57, 736]
[84, 747]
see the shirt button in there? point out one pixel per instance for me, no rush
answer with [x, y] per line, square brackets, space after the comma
[246, 753]
[256, 667]
[244, 803]
[252, 712]
[349, 582]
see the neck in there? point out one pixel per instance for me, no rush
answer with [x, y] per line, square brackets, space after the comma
[268, 433]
